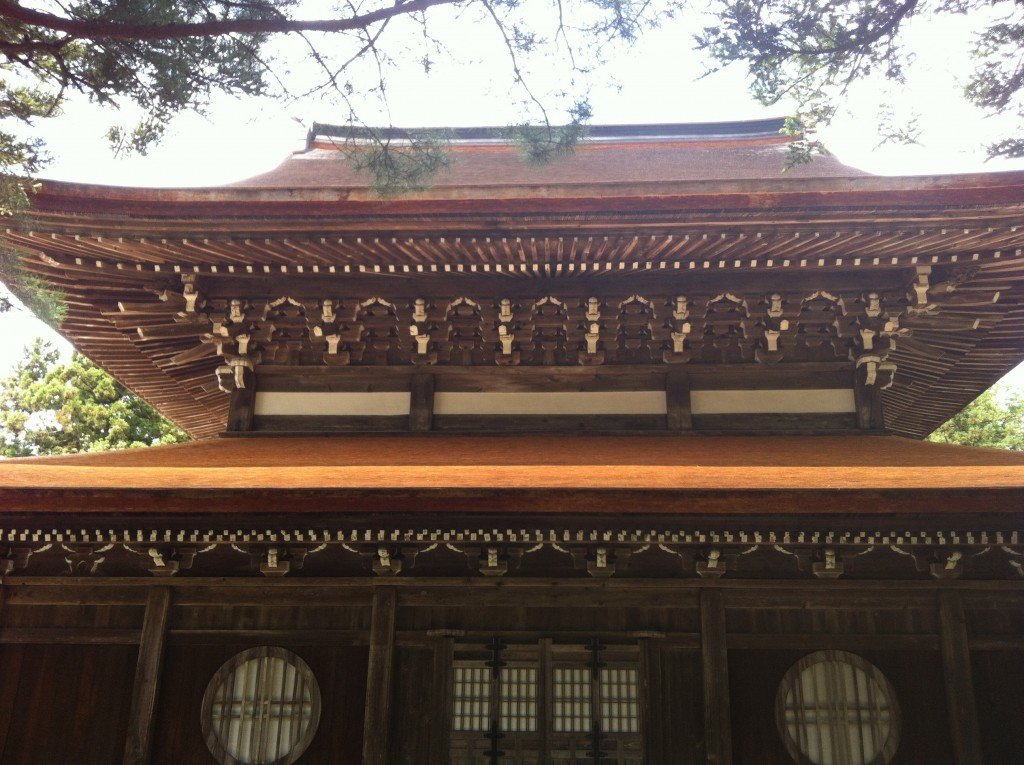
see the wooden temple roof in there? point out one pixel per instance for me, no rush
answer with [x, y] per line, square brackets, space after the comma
[631, 207]
[537, 462]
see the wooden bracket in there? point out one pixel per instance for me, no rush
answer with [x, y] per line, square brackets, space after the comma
[712, 564]
[275, 560]
[948, 564]
[164, 561]
[12, 558]
[84, 559]
[830, 566]
[599, 561]
[602, 563]
[387, 562]
[493, 562]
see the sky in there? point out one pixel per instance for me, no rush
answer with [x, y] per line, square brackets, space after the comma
[657, 79]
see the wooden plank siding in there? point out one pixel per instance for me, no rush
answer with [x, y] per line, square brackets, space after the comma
[79, 694]
[999, 698]
[64, 704]
[755, 675]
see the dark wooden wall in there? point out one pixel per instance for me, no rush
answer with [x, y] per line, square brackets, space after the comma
[999, 694]
[674, 710]
[68, 657]
[915, 675]
[64, 704]
[340, 673]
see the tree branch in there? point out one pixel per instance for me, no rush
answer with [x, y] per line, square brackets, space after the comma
[113, 30]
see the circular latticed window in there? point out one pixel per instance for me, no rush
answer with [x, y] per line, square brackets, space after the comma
[835, 708]
[261, 708]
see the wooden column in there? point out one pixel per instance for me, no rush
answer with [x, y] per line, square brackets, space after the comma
[421, 404]
[868, 402]
[377, 716]
[651, 716]
[242, 406]
[147, 677]
[956, 665]
[444, 658]
[677, 399]
[717, 716]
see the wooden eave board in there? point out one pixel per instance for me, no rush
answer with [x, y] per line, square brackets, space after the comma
[776, 191]
[590, 463]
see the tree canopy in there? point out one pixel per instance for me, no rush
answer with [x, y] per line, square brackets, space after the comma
[165, 56]
[50, 407]
[995, 419]
[810, 52]
[156, 58]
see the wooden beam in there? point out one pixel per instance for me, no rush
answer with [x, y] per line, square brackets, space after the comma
[421, 404]
[147, 677]
[717, 720]
[956, 664]
[677, 399]
[824, 641]
[377, 715]
[69, 636]
[358, 286]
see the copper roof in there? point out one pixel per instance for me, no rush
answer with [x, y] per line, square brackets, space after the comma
[534, 462]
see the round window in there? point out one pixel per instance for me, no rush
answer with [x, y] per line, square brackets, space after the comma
[261, 708]
[835, 708]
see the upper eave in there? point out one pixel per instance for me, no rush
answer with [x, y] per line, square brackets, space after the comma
[668, 202]
[64, 205]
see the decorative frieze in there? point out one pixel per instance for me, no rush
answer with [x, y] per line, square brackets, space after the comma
[770, 327]
[511, 552]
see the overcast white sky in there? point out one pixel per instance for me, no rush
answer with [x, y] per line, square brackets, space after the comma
[657, 80]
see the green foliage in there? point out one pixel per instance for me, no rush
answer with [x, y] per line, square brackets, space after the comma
[46, 302]
[812, 51]
[994, 419]
[398, 166]
[161, 74]
[541, 144]
[48, 407]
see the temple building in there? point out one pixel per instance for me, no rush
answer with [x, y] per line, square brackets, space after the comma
[613, 460]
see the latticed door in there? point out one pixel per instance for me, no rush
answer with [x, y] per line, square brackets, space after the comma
[547, 702]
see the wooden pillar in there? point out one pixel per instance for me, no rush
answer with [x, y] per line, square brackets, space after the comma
[377, 716]
[651, 714]
[421, 403]
[677, 399]
[717, 716]
[868, 403]
[444, 658]
[147, 677]
[956, 665]
[242, 406]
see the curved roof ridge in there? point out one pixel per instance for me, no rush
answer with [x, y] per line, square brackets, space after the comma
[632, 132]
